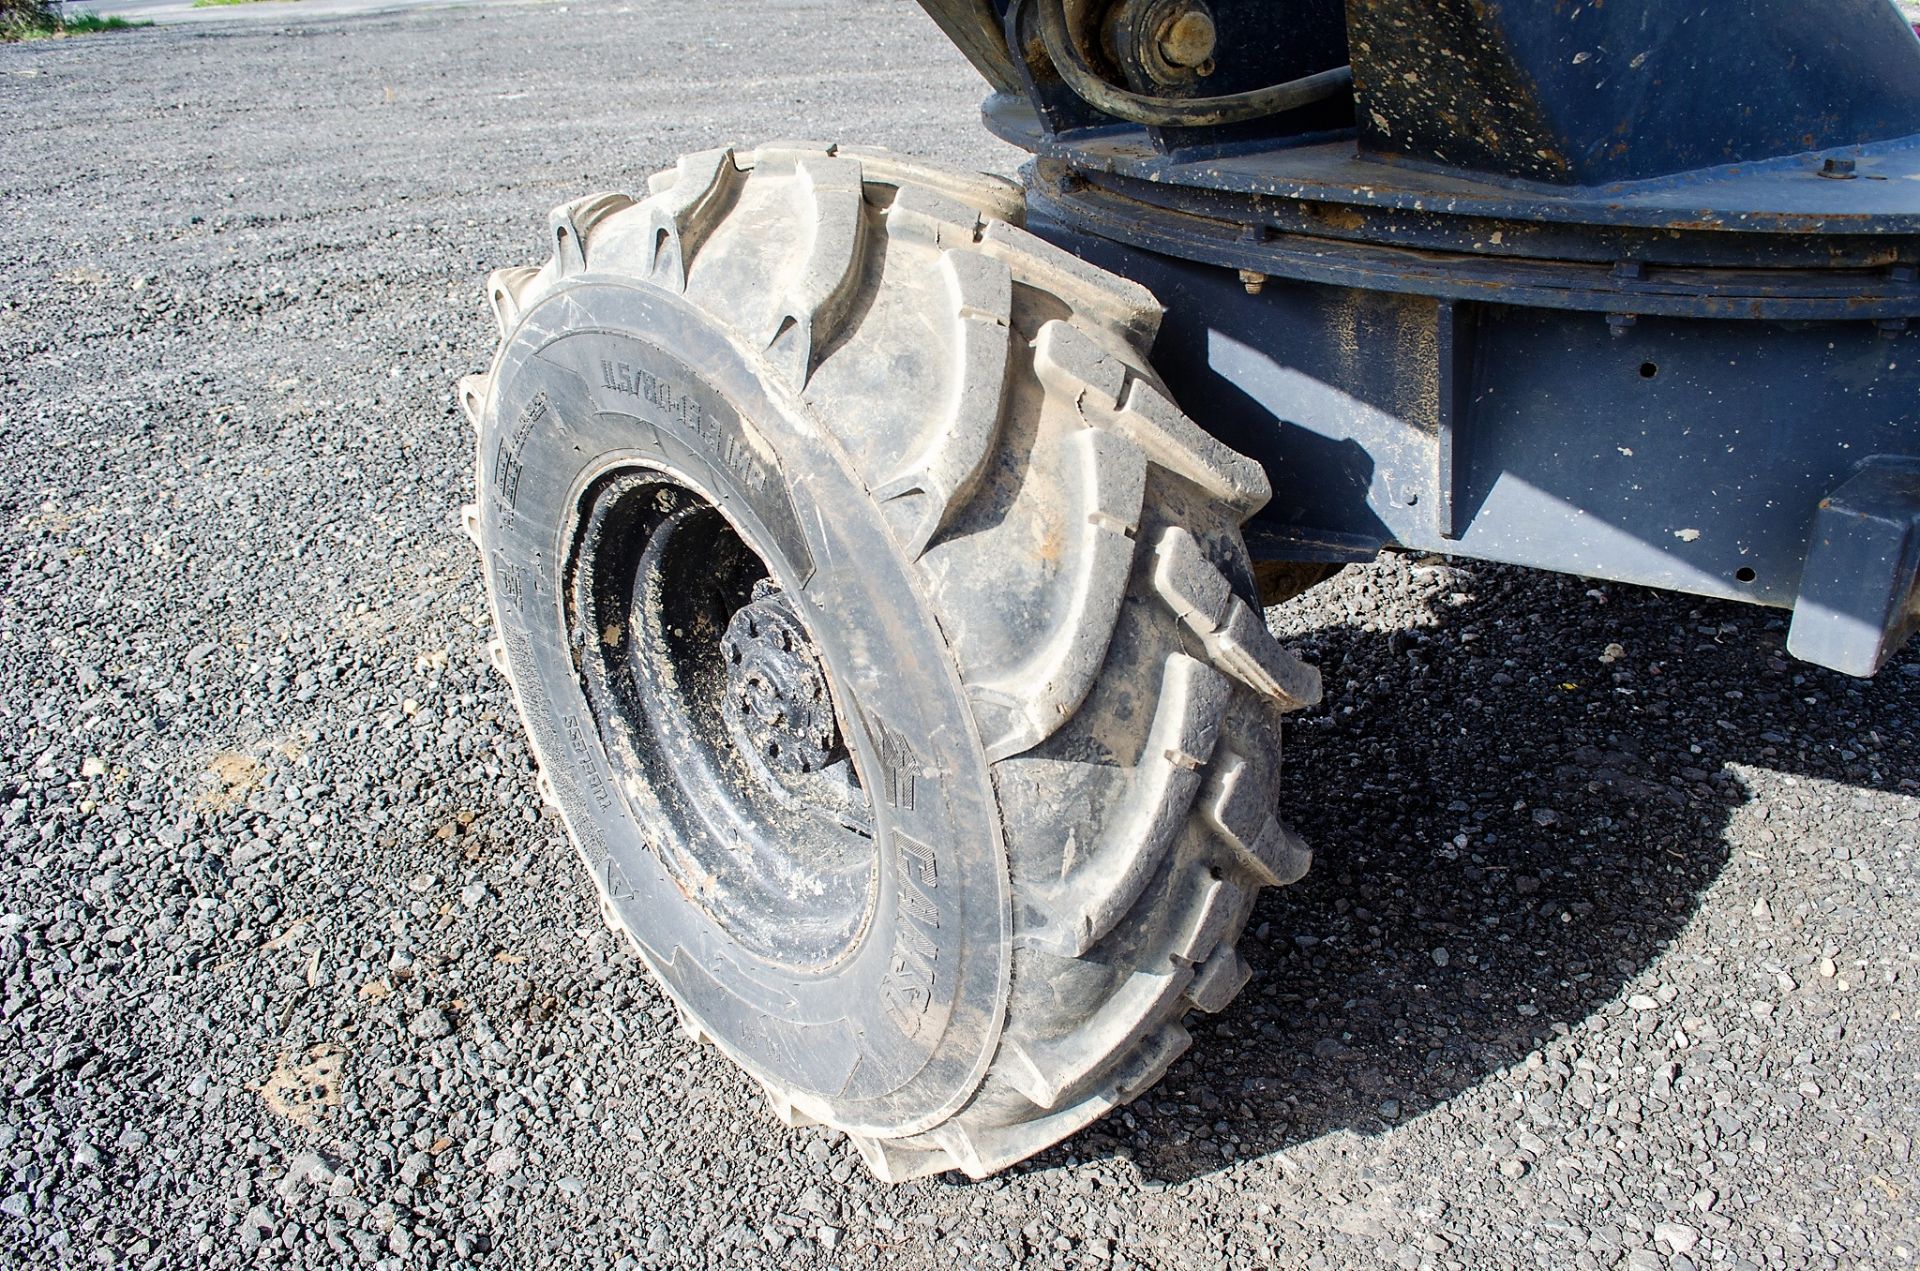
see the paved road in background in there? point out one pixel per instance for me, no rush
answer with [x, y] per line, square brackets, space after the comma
[268, 11]
[1608, 958]
[300, 10]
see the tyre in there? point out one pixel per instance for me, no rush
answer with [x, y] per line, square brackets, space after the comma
[886, 641]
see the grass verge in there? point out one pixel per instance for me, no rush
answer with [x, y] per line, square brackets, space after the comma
[37, 20]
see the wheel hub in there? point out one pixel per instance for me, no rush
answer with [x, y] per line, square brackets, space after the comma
[777, 705]
[708, 691]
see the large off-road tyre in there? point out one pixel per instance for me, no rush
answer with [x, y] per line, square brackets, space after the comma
[886, 641]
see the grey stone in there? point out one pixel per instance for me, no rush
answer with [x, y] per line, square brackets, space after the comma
[430, 1024]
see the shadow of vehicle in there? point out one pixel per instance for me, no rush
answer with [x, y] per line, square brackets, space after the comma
[1511, 820]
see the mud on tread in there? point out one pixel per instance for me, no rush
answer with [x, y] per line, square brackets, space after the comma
[1078, 541]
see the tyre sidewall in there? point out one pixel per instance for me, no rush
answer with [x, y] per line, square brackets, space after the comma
[894, 1037]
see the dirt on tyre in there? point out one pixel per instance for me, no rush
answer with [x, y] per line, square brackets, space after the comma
[886, 641]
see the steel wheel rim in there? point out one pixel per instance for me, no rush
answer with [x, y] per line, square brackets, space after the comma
[719, 719]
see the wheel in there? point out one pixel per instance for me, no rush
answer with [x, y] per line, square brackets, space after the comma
[884, 638]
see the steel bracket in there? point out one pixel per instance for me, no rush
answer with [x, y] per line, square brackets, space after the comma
[1860, 593]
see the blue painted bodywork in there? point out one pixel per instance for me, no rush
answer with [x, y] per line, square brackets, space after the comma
[1623, 290]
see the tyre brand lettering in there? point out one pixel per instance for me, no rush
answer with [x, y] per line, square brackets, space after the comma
[925, 872]
[740, 460]
[506, 475]
[511, 581]
[583, 759]
[506, 456]
[899, 766]
[677, 406]
[907, 988]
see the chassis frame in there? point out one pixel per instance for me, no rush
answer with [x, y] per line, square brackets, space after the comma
[1602, 289]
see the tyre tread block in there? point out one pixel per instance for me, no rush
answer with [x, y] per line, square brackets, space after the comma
[1237, 805]
[781, 1104]
[1116, 398]
[819, 290]
[685, 202]
[1219, 980]
[946, 472]
[1046, 1072]
[1023, 706]
[918, 214]
[1235, 638]
[472, 392]
[1223, 907]
[1103, 885]
[505, 287]
[572, 224]
[891, 1163]
[1093, 292]
[981, 193]
[988, 1150]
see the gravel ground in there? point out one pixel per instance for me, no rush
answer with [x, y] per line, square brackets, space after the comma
[1608, 960]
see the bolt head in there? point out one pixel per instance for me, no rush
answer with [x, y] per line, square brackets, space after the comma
[1188, 38]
